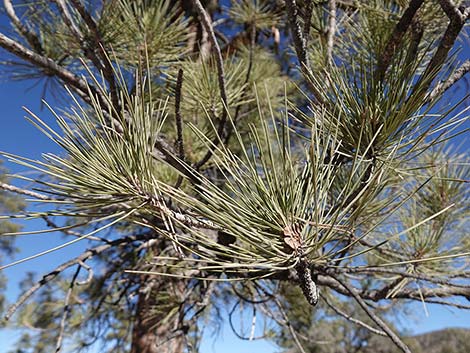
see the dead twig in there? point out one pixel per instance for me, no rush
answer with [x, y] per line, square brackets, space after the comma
[398, 342]
[350, 318]
[66, 311]
[77, 260]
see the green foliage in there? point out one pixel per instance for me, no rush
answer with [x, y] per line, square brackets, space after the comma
[142, 30]
[100, 167]
[202, 92]
[337, 167]
[259, 13]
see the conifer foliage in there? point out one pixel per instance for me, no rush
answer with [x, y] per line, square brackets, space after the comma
[258, 157]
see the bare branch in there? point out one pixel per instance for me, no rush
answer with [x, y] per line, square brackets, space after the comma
[240, 335]
[162, 151]
[179, 123]
[287, 322]
[307, 20]
[457, 21]
[456, 76]
[330, 35]
[66, 311]
[180, 217]
[89, 52]
[69, 21]
[77, 260]
[353, 320]
[452, 11]
[300, 45]
[68, 230]
[376, 295]
[89, 276]
[398, 342]
[417, 276]
[236, 116]
[416, 35]
[428, 293]
[99, 45]
[21, 191]
[448, 303]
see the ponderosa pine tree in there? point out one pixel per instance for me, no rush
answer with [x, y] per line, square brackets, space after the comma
[217, 154]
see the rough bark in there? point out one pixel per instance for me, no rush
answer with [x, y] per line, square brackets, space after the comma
[153, 331]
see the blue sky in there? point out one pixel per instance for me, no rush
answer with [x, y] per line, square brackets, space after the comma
[18, 136]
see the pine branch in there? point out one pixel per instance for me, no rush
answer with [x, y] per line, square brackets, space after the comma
[297, 34]
[448, 303]
[245, 83]
[377, 295]
[307, 20]
[402, 274]
[67, 230]
[160, 207]
[50, 67]
[300, 45]
[98, 44]
[68, 20]
[179, 123]
[453, 12]
[178, 119]
[27, 33]
[26, 192]
[396, 38]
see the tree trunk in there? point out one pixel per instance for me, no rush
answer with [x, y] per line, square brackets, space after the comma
[155, 328]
